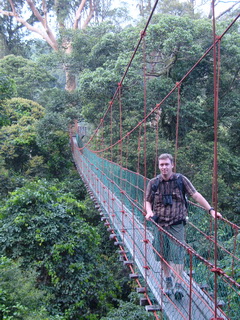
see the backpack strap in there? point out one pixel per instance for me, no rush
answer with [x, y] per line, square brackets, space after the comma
[156, 184]
[154, 189]
[181, 187]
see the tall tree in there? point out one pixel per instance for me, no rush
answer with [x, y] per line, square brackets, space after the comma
[38, 17]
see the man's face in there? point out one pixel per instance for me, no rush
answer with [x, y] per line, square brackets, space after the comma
[166, 167]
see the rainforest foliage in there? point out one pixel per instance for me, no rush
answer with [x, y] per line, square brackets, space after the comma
[56, 262]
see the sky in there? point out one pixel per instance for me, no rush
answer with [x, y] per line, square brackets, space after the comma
[222, 6]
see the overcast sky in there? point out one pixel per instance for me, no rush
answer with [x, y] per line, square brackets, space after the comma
[222, 6]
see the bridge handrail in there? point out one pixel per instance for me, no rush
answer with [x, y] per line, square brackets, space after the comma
[140, 208]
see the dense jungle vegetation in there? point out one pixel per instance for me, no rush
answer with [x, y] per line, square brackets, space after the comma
[56, 261]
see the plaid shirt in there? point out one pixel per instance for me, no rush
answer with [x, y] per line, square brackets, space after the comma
[169, 214]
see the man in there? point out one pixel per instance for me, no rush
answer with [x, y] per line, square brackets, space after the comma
[168, 207]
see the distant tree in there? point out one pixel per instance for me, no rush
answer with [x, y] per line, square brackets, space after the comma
[7, 86]
[10, 34]
[17, 108]
[31, 79]
[53, 140]
[35, 16]
[32, 142]
[7, 90]
[18, 136]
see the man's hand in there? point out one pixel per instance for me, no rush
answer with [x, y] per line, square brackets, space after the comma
[149, 214]
[213, 214]
[148, 208]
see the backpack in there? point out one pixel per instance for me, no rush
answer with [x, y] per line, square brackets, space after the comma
[180, 185]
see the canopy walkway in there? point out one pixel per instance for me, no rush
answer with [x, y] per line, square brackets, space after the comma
[118, 194]
[212, 261]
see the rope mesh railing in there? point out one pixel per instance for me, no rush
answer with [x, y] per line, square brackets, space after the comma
[119, 180]
[121, 192]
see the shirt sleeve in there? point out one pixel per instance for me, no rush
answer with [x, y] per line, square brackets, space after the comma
[148, 194]
[190, 189]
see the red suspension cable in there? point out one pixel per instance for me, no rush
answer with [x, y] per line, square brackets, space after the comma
[177, 125]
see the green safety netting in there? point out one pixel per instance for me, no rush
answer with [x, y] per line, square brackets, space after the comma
[128, 187]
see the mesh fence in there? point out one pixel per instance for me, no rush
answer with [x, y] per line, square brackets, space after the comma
[208, 292]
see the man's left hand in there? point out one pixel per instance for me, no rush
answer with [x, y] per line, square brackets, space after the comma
[213, 214]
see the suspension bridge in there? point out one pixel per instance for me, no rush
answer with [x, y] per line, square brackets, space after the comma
[211, 288]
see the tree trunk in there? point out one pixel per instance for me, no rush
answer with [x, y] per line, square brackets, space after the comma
[71, 84]
[3, 47]
[70, 80]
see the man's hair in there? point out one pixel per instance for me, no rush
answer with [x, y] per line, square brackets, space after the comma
[166, 156]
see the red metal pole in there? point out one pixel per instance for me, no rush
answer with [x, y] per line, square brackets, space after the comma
[215, 166]
[143, 34]
[177, 126]
[190, 284]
